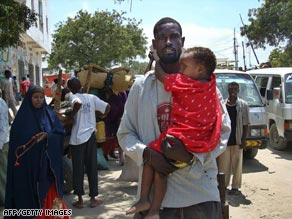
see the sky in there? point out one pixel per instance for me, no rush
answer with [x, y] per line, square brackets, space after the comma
[208, 23]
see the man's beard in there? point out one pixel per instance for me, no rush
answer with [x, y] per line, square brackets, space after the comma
[169, 59]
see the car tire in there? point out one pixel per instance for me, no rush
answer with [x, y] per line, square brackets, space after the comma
[277, 142]
[250, 153]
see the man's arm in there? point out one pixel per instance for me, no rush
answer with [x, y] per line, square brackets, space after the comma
[129, 139]
[245, 121]
[149, 65]
[103, 115]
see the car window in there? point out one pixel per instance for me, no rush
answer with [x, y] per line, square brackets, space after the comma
[288, 88]
[247, 88]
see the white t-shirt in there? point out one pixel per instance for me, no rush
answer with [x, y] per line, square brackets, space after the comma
[85, 120]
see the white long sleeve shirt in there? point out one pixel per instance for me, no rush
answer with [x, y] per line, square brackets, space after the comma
[139, 127]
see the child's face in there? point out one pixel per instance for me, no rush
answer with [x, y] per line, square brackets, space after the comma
[189, 67]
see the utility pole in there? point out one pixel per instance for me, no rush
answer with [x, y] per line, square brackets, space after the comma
[235, 51]
[249, 41]
[243, 51]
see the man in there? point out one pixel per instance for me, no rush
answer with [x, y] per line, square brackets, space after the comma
[8, 95]
[24, 85]
[192, 191]
[83, 141]
[4, 138]
[230, 162]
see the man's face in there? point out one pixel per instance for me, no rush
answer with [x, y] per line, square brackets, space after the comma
[233, 90]
[168, 43]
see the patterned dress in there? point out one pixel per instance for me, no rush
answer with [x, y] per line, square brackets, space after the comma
[196, 114]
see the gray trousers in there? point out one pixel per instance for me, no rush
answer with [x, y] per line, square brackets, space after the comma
[3, 172]
[85, 155]
[205, 210]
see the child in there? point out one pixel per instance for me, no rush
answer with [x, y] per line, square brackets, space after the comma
[195, 119]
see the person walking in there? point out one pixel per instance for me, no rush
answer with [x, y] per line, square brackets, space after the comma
[230, 162]
[24, 86]
[8, 94]
[192, 191]
[4, 139]
[36, 147]
[83, 141]
[195, 119]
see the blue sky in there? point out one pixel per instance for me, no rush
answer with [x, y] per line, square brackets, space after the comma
[209, 23]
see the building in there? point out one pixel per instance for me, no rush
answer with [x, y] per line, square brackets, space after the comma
[26, 58]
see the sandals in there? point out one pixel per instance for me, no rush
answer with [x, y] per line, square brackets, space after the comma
[78, 204]
[95, 202]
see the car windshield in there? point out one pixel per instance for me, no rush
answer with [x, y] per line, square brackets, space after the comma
[247, 88]
[288, 88]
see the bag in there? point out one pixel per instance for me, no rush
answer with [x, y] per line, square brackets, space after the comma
[130, 171]
[100, 132]
[101, 161]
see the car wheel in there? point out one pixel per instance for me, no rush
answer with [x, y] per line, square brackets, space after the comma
[277, 142]
[250, 153]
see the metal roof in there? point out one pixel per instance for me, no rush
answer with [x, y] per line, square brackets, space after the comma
[271, 71]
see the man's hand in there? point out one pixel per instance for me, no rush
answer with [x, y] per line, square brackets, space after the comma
[174, 149]
[157, 161]
[243, 144]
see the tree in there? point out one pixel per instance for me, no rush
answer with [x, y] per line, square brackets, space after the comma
[103, 38]
[280, 57]
[271, 24]
[15, 19]
[137, 67]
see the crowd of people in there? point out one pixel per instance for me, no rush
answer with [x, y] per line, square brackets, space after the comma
[173, 123]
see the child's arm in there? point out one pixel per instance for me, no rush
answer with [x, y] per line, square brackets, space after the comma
[159, 72]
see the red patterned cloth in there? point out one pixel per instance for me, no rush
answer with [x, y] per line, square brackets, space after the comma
[53, 201]
[196, 113]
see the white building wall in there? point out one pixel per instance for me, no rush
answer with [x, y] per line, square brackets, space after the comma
[26, 59]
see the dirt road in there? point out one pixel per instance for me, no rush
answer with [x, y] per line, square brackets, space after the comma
[266, 191]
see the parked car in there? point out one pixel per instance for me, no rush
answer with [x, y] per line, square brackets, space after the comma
[275, 85]
[257, 130]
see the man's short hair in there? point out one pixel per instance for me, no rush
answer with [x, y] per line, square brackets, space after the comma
[233, 83]
[164, 21]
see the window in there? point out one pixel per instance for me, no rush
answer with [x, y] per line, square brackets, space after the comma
[262, 82]
[41, 21]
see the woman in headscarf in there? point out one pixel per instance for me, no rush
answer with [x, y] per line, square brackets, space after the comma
[35, 175]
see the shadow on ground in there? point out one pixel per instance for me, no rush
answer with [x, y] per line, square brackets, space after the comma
[252, 166]
[117, 196]
[237, 200]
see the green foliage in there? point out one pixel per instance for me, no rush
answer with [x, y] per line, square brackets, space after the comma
[271, 24]
[137, 67]
[15, 19]
[280, 57]
[103, 38]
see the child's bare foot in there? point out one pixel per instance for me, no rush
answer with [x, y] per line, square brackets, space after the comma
[139, 206]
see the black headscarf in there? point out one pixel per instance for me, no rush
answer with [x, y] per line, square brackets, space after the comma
[28, 183]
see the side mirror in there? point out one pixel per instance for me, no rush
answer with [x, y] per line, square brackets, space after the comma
[269, 95]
